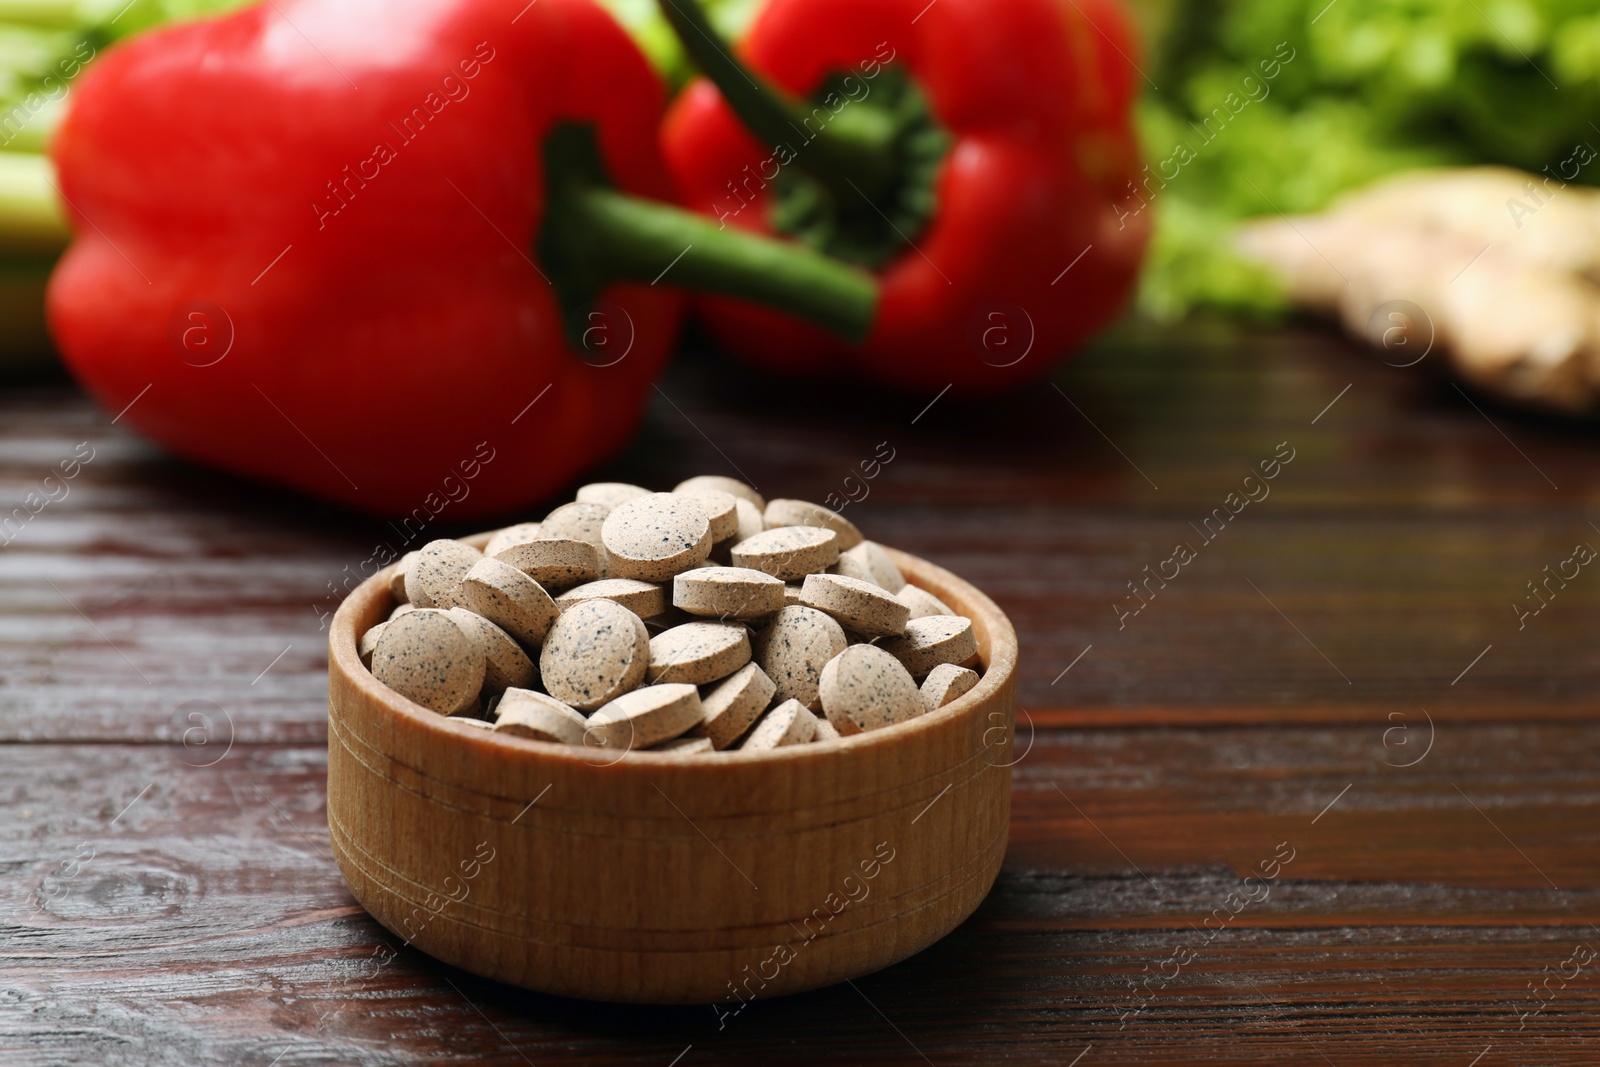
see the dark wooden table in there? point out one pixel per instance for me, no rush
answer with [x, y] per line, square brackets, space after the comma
[1335, 691]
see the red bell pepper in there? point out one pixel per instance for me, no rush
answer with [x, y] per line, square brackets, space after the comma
[971, 151]
[393, 254]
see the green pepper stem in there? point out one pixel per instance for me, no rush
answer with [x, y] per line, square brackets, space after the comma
[850, 152]
[593, 236]
[630, 238]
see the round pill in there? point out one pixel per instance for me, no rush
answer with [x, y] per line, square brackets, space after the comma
[734, 704]
[645, 717]
[722, 512]
[481, 724]
[653, 537]
[945, 683]
[644, 599]
[579, 521]
[369, 643]
[401, 609]
[933, 640]
[510, 599]
[922, 603]
[521, 533]
[865, 688]
[426, 657]
[397, 578]
[789, 553]
[524, 713]
[732, 486]
[868, 560]
[826, 731]
[727, 593]
[505, 664]
[851, 567]
[432, 577]
[686, 746]
[751, 521]
[698, 652]
[555, 562]
[790, 723]
[804, 513]
[595, 652]
[794, 648]
[860, 606]
[609, 493]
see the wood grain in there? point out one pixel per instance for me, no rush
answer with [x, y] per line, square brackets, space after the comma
[212, 924]
[1170, 760]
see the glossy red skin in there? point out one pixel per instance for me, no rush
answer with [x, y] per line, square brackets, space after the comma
[385, 355]
[1038, 101]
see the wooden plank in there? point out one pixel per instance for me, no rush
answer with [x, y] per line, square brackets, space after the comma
[209, 924]
[1394, 545]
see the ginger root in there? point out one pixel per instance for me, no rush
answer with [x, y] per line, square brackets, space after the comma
[1504, 267]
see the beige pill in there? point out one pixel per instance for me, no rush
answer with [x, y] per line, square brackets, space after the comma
[644, 599]
[794, 648]
[524, 713]
[653, 537]
[734, 704]
[645, 717]
[751, 521]
[826, 731]
[727, 593]
[865, 688]
[401, 609]
[521, 533]
[859, 606]
[595, 652]
[851, 567]
[481, 724]
[397, 578]
[698, 652]
[686, 746]
[868, 560]
[789, 553]
[790, 723]
[731, 486]
[432, 577]
[578, 521]
[505, 664]
[931, 641]
[510, 599]
[426, 657]
[922, 603]
[945, 683]
[804, 513]
[555, 562]
[722, 511]
[609, 493]
[369, 643]
[791, 593]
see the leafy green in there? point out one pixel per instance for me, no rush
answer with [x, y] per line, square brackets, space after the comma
[1374, 86]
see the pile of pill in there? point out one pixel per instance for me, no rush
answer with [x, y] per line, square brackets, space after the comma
[696, 621]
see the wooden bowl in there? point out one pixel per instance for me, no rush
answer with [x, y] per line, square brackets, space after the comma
[653, 878]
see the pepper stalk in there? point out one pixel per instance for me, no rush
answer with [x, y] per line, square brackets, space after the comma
[594, 235]
[866, 176]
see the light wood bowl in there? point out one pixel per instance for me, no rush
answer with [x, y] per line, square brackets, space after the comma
[652, 878]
